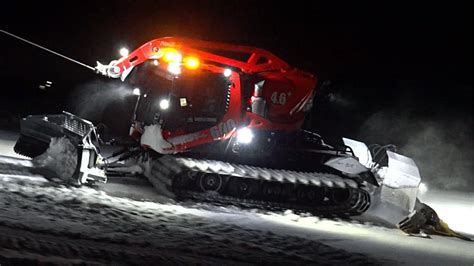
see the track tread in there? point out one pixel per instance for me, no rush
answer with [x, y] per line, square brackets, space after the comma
[168, 167]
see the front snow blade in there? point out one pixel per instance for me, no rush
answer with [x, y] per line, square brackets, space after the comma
[395, 199]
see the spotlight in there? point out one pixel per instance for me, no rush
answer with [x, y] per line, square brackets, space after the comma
[164, 104]
[244, 135]
[123, 52]
[227, 73]
[174, 68]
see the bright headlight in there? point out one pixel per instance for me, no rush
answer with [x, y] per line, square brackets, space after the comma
[123, 52]
[244, 135]
[174, 68]
[164, 104]
[227, 73]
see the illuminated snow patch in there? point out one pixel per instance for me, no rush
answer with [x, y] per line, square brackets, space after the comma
[455, 208]
[16, 161]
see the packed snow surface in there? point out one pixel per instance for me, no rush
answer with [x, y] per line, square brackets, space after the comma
[228, 234]
[126, 222]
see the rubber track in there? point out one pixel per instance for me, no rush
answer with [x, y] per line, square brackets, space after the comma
[359, 201]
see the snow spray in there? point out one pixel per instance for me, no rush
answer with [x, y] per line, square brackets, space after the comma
[90, 100]
[441, 145]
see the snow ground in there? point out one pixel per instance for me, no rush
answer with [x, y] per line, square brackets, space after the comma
[7, 141]
[126, 222]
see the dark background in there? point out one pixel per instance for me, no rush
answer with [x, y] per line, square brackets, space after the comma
[395, 72]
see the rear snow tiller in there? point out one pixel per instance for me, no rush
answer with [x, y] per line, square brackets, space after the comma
[36, 134]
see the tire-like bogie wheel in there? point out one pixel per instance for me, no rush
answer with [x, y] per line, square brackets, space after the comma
[242, 187]
[210, 182]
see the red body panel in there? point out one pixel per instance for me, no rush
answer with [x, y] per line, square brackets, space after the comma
[285, 91]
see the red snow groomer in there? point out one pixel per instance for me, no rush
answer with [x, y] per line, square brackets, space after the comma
[223, 123]
[205, 92]
[248, 106]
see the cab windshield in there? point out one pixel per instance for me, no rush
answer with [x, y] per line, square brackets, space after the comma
[196, 99]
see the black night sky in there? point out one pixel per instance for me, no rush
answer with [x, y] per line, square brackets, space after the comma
[411, 59]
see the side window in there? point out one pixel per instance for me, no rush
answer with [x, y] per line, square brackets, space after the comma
[262, 60]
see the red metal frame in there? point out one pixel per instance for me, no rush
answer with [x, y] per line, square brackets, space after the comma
[194, 47]
[302, 86]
